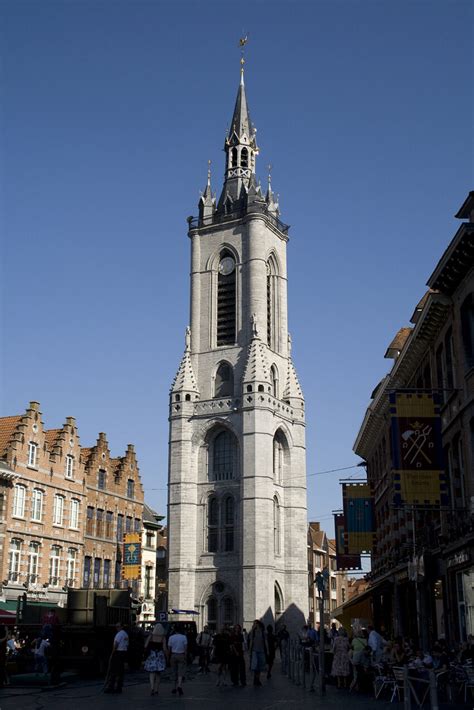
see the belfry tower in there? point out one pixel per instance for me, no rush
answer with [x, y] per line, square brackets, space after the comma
[237, 458]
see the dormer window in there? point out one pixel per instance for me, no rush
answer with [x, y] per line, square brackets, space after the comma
[69, 466]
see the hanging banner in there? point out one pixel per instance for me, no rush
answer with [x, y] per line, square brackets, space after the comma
[358, 506]
[418, 473]
[132, 556]
[344, 561]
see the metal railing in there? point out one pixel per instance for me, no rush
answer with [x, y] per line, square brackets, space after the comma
[301, 664]
[219, 218]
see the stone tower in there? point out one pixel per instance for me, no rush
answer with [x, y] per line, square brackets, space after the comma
[237, 459]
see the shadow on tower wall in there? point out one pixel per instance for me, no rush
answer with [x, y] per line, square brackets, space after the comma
[292, 617]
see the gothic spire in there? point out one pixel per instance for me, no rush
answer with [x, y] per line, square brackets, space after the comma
[292, 388]
[256, 371]
[207, 201]
[241, 125]
[185, 380]
[241, 150]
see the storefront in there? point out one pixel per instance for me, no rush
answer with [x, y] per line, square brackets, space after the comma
[460, 585]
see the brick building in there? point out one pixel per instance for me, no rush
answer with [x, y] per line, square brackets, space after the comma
[63, 509]
[424, 558]
[321, 555]
[114, 506]
[42, 507]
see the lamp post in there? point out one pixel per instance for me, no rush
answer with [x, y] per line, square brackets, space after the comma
[321, 581]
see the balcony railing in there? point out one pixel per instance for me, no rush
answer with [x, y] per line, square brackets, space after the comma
[221, 217]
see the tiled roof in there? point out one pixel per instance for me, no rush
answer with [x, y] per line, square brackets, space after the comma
[85, 454]
[51, 435]
[396, 346]
[7, 429]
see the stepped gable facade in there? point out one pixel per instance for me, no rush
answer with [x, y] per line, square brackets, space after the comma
[42, 506]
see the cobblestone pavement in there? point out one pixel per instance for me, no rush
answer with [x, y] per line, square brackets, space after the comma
[199, 692]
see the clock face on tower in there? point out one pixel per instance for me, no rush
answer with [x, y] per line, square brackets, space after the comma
[226, 266]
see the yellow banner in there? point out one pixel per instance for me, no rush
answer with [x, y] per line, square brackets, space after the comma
[418, 475]
[132, 556]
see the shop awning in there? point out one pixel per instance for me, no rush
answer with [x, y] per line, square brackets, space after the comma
[359, 607]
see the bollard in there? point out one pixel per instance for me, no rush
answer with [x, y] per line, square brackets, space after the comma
[433, 691]
[406, 690]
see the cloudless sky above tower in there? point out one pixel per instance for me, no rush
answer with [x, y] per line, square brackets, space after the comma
[110, 112]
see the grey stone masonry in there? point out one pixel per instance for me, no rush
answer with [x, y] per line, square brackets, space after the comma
[237, 456]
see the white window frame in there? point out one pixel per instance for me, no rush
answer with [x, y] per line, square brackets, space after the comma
[55, 565]
[32, 454]
[71, 566]
[33, 561]
[37, 505]
[19, 497]
[14, 560]
[69, 472]
[74, 514]
[58, 510]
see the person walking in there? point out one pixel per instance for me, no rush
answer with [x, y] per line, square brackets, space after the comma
[236, 657]
[271, 646]
[258, 651]
[283, 640]
[341, 665]
[117, 660]
[204, 641]
[177, 648]
[155, 663]
[221, 643]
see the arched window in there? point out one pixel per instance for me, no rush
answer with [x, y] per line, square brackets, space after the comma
[272, 300]
[224, 386]
[228, 524]
[276, 526]
[244, 158]
[212, 525]
[274, 380]
[212, 613]
[278, 601]
[223, 454]
[226, 302]
[227, 610]
[277, 458]
[233, 163]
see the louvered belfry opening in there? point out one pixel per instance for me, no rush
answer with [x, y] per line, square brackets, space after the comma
[226, 309]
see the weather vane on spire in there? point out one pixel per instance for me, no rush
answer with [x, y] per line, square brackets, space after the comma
[242, 42]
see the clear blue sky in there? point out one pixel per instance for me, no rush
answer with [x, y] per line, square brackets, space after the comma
[110, 112]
